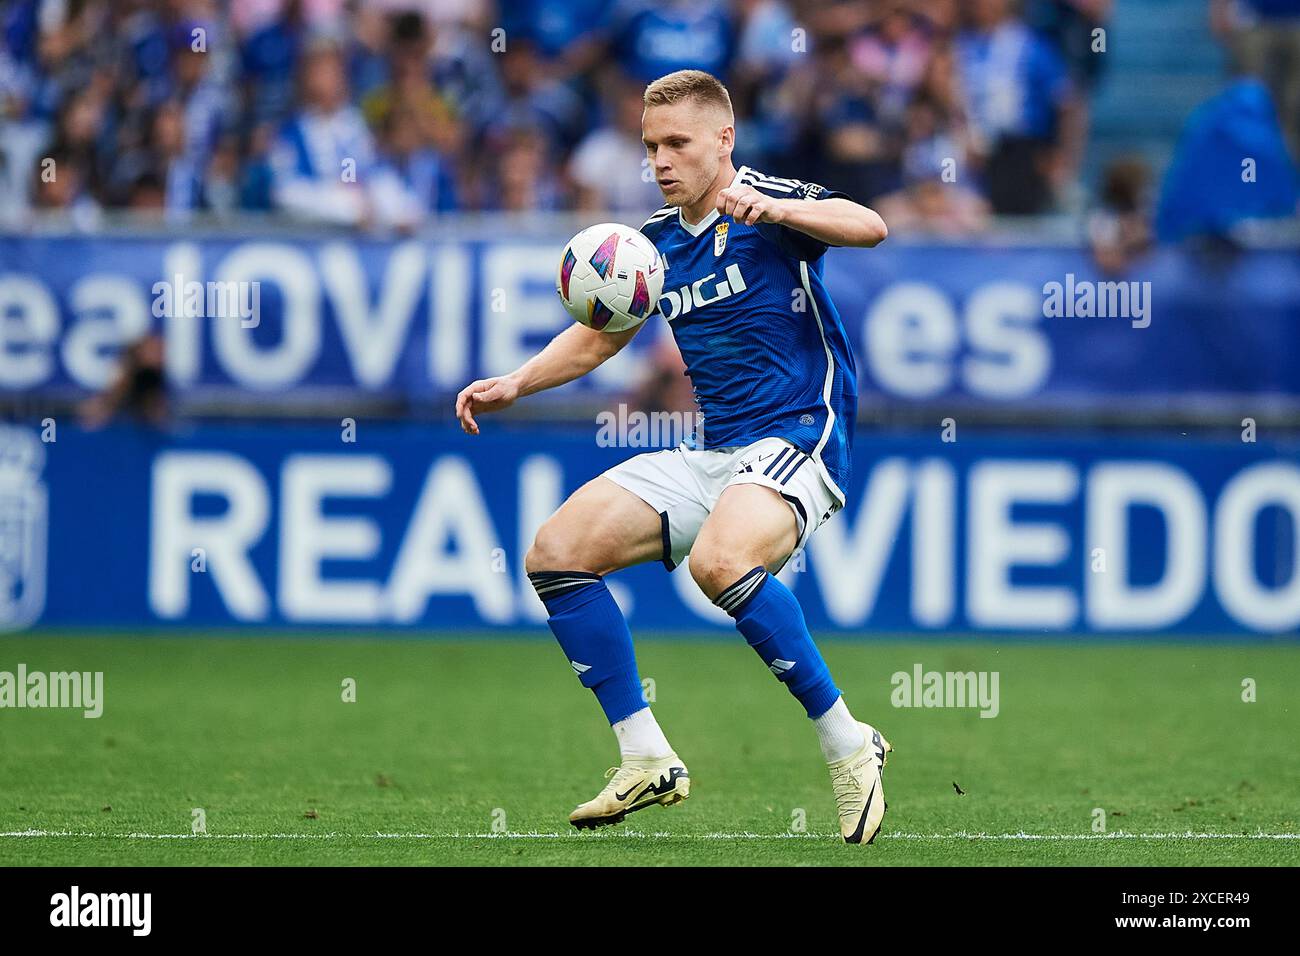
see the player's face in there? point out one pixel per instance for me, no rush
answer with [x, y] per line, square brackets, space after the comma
[686, 143]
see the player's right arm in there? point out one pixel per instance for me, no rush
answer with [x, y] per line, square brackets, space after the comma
[571, 354]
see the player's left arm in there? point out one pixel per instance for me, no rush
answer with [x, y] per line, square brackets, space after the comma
[833, 221]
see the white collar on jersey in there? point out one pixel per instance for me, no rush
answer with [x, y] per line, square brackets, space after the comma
[712, 217]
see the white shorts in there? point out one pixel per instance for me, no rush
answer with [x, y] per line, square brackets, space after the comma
[683, 485]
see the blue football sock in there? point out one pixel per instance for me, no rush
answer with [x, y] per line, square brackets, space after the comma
[594, 636]
[770, 618]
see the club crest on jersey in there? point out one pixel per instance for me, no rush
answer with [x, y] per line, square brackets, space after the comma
[719, 238]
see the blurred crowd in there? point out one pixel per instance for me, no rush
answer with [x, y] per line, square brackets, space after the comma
[385, 113]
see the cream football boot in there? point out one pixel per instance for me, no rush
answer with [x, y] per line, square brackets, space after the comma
[859, 792]
[635, 785]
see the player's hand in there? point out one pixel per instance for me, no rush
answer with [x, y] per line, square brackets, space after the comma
[746, 204]
[485, 395]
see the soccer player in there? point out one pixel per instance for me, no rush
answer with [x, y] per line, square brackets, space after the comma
[776, 383]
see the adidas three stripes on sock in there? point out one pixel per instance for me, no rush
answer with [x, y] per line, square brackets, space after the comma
[772, 622]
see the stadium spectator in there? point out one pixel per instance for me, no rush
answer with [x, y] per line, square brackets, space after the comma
[412, 179]
[768, 49]
[853, 148]
[532, 102]
[464, 67]
[202, 96]
[163, 160]
[1021, 105]
[928, 204]
[79, 132]
[1206, 189]
[935, 197]
[60, 187]
[1072, 27]
[1119, 230]
[893, 55]
[409, 90]
[569, 35]
[178, 168]
[23, 127]
[220, 183]
[258, 178]
[138, 388]
[147, 195]
[271, 41]
[651, 39]
[62, 51]
[525, 178]
[609, 168]
[323, 157]
[20, 76]
[1263, 37]
[369, 53]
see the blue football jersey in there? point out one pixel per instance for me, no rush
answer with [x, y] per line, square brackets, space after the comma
[764, 346]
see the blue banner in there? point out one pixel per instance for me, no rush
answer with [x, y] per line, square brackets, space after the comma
[406, 527]
[1040, 326]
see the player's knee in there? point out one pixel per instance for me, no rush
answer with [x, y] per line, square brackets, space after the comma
[546, 553]
[553, 550]
[715, 570]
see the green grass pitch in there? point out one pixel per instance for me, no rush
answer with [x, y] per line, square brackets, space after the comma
[460, 751]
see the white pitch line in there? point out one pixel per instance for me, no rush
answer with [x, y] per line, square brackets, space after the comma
[636, 834]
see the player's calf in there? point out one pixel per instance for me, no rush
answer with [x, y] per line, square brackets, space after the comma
[772, 622]
[602, 528]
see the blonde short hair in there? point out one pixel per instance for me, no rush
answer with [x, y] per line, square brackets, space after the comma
[689, 85]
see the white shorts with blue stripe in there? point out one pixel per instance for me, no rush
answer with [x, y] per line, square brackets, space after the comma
[683, 485]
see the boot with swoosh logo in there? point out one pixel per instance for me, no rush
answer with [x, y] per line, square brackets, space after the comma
[635, 785]
[859, 791]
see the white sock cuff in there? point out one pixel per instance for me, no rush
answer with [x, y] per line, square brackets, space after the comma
[639, 735]
[838, 733]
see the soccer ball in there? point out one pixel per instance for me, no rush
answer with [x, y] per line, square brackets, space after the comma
[610, 277]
